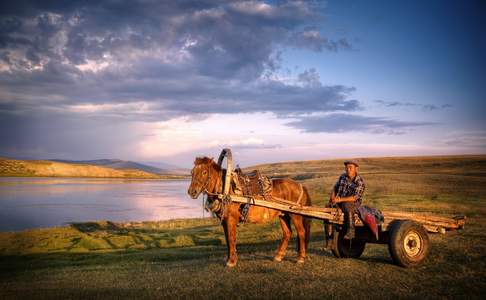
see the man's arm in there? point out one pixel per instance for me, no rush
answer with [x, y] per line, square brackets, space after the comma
[346, 199]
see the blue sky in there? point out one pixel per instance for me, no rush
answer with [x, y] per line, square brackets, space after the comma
[165, 81]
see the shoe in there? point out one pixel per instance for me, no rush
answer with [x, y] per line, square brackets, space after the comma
[349, 234]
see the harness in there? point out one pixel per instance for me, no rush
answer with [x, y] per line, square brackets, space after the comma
[215, 206]
[247, 185]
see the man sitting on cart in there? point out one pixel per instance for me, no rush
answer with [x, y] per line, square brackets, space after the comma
[347, 193]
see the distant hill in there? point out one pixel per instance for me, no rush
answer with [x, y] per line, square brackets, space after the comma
[46, 168]
[124, 164]
[473, 165]
[172, 168]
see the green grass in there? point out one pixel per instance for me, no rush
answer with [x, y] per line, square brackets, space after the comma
[185, 258]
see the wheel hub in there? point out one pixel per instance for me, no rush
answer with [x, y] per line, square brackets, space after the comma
[412, 244]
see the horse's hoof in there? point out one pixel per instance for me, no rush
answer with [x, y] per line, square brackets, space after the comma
[279, 256]
[300, 260]
[230, 264]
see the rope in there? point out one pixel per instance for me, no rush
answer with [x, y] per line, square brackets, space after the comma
[204, 205]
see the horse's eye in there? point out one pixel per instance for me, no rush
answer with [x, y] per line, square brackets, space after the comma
[205, 172]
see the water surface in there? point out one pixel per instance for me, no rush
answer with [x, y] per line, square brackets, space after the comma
[45, 202]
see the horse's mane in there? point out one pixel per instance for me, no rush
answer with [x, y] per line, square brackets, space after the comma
[206, 160]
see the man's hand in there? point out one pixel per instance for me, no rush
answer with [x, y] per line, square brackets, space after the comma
[332, 198]
[335, 200]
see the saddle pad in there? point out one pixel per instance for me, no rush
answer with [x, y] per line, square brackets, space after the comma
[253, 183]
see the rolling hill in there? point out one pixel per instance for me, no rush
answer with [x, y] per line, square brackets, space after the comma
[124, 164]
[46, 168]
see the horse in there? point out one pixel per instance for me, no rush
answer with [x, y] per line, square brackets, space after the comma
[207, 177]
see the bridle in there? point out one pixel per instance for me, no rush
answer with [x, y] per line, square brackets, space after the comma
[206, 184]
[218, 205]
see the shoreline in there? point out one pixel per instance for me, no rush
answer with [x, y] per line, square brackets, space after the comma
[115, 224]
[170, 177]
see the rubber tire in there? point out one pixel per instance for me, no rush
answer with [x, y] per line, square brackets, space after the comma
[340, 246]
[398, 231]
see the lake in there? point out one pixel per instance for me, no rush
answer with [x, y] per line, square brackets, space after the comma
[45, 202]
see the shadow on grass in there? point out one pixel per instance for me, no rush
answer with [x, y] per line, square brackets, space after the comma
[125, 258]
[89, 227]
[106, 235]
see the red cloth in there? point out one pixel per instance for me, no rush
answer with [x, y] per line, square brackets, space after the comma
[371, 222]
[369, 217]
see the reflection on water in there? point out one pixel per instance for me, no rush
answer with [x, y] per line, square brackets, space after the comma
[44, 202]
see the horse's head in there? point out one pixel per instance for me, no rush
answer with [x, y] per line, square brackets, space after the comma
[205, 174]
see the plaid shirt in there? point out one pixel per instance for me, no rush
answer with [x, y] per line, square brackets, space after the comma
[346, 188]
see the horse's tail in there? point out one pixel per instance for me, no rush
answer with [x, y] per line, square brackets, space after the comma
[307, 221]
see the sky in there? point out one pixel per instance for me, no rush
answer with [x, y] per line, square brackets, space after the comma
[166, 81]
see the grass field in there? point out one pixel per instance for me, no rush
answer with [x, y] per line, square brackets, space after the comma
[185, 258]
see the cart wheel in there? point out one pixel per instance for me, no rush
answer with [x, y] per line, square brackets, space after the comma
[342, 248]
[408, 243]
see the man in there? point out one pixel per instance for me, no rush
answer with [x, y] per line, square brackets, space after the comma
[347, 193]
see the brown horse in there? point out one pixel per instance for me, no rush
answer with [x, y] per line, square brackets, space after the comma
[207, 177]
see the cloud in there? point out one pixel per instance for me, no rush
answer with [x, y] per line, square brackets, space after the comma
[341, 122]
[176, 57]
[172, 96]
[80, 79]
[467, 139]
[217, 38]
[66, 136]
[312, 39]
[310, 78]
[425, 107]
[249, 143]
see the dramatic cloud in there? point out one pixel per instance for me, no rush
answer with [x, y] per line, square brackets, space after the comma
[92, 77]
[339, 122]
[158, 60]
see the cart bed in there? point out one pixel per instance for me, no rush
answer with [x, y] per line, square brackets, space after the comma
[431, 222]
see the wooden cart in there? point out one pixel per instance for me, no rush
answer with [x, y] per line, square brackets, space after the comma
[405, 233]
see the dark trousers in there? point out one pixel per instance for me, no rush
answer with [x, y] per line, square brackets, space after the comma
[348, 207]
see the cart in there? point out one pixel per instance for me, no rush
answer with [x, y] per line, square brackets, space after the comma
[405, 233]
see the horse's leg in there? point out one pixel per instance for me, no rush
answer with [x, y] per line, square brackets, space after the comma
[225, 227]
[231, 241]
[286, 234]
[298, 222]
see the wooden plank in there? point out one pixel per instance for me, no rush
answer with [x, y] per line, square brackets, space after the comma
[315, 213]
[425, 216]
[446, 223]
[433, 223]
